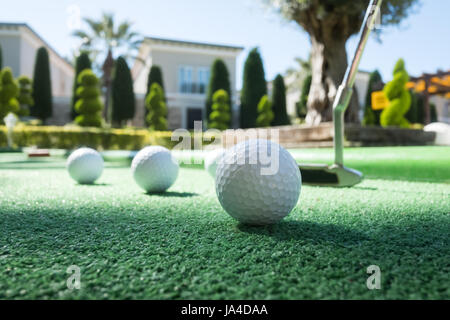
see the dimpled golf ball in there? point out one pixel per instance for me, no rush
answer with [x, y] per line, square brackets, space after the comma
[85, 165]
[154, 169]
[211, 160]
[258, 182]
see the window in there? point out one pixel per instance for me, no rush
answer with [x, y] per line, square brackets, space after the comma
[185, 81]
[202, 79]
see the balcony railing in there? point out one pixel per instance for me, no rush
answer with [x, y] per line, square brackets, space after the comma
[198, 88]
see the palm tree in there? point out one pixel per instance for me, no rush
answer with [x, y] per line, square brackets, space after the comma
[103, 40]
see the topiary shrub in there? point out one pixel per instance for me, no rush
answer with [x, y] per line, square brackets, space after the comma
[154, 76]
[372, 117]
[399, 97]
[279, 102]
[253, 88]
[157, 110]
[219, 79]
[123, 100]
[220, 116]
[8, 93]
[82, 62]
[25, 96]
[42, 86]
[265, 114]
[89, 106]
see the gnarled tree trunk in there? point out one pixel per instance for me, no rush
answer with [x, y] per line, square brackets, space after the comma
[328, 63]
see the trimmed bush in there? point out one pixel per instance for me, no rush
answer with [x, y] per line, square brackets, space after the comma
[157, 110]
[220, 116]
[82, 62]
[265, 114]
[70, 137]
[372, 117]
[399, 97]
[89, 106]
[25, 96]
[123, 100]
[302, 104]
[154, 76]
[219, 79]
[9, 90]
[253, 89]
[415, 112]
[42, 86]
[279, 102]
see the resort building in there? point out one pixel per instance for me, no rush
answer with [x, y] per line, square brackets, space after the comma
[186, 67]
[19, 44]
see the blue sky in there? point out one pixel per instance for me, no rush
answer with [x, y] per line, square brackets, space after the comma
[423, 40]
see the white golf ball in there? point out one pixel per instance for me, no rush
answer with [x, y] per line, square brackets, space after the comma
[154, 169]
[85, 165]
[258, 182]
[211, 160]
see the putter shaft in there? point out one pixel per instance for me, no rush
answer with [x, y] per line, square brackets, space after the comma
[345, 91]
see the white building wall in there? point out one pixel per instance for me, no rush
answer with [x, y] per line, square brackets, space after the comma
[61, 72]
[170, 57]
[10, 42]
[19, 46]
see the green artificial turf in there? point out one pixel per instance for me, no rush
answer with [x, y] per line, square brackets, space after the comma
[429, 164]
[182, 245]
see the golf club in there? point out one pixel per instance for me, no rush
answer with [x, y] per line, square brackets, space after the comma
[337, 175]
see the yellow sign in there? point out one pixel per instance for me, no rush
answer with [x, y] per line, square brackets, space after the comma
[379, 100]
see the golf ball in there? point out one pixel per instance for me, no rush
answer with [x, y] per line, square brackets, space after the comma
[85, 165]
[258, 182]
[211, 160]
[154, 169]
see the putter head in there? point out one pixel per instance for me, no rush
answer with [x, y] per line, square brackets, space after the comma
[329, 176]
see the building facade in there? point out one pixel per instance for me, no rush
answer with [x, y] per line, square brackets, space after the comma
[19, 45]
[186, 68]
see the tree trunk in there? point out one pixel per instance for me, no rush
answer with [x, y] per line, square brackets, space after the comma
[107, 74]
[328, 63]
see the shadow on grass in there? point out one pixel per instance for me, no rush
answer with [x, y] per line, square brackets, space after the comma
[365, 188]
[32, 167]
[93, 184]
[172, 194]
[305, 230]
[125, 236]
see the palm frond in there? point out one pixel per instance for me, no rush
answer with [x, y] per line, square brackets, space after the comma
[96, 27]
[122, 30]
[80, 34]
[108, 25]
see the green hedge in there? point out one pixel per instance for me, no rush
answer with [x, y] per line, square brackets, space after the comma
[72, 137]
